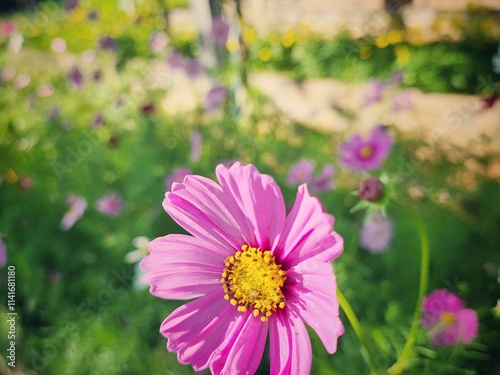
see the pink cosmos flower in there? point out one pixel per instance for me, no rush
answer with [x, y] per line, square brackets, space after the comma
[402, 102]
[175, 60]
[177, 175]
[196, 143]
[110, 205]
[302, 172]
[7, 28]
[220, 31]
[3, 253]
[447, 320]
[323, 181]
[365, 155]
[376, 233]
[158, 41]
[193, 68]
[77, 207]
[374, 93]
[251, 269]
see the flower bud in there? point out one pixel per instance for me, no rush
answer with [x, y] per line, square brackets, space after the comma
[371, 189]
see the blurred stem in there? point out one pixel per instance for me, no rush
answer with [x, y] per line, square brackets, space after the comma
[358, 329]
[400, 364]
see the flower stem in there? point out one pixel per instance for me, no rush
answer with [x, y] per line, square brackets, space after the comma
[358, 329]
[400, 364]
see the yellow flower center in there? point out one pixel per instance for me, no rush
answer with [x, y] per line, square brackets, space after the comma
[253, 280]
[366, 152]
[448, 318]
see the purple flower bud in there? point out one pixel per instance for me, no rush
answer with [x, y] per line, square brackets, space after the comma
[371, 189]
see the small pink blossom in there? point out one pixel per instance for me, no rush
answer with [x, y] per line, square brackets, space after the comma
[3, 253]
[362, 155]
[376, 233]
[302, 173]
[77, 207]
[7, 28]
[58, 45]
[402, 102]
[215, 98]
[374, 94]
[447, 320]
[45, 90]
[75, 77]
[175, 60]
[108, 43]
[158, 41]
[110, 205]
[193, 68]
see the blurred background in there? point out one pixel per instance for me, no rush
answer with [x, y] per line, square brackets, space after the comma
[103, 104]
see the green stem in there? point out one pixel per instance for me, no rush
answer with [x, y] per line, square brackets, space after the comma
[358, 329]
[400, 364]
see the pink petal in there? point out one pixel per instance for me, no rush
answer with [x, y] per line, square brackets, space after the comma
[468, 325]
[256, 202]
[308, 232]
[197, 329]
[313, 297]
[242, 353]
[290, 348]
[199, 206]
[182, 267]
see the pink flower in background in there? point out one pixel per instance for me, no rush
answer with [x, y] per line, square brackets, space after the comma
[97, 121]
[177, 175]
[301, 173]
[395, 79]
[7, 28]
[58, 45]
[215, 98]
[371, 189]
[45, 90]
[148, 109]
[77, 207]
[376, 233]
[447, 320]
[402, 102]
[158, 41]
[26, 183]
[196, 144]
[251, 269]
[75, 77]
[193, 68]
[22, 81]
[365, 155]
[3, 253]
[374, 93]
[220, 31]
[175, 60]
[489, 101]
[110, 205]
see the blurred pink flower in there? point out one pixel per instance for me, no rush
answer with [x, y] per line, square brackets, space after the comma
[45, 90]
[364, 155]
[376, 233]
[3, 253]
[75, 77]
[110, 205]
[77, 207]
[193, 68]
[220, 31]
[489, 101]
[108, 43]
[175, 60]
[252, 270]
[7, 28]
[22, 81]
[93, 15]
[302, 173]
[324, 181]
[215, 98]
[374, 93]
[147, 109]
[97, 120]
[395, 79]
[196, 145]
[58, 45]
[177, 175]
[26, 183]
[402, 102]
[158, 41]
[447, 320]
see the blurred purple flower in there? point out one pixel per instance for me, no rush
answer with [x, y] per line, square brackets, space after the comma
[97, 75]
[374, 93]
[110, 205]
[196, 144]
[215, 98]
[396, 78]
[402, 102]
[108, 43]
[53, 114]
[3, 253]
[376, 233]
[193, 68]
[365, 155]
[220, 31]
[158, 41]
[177, 175]
[71, 5]
[75, 77]
[447, 320]
[324, 181]
[97, 121]
[147, 109]
[175, 60]
[301, 173]
[77, 207]
[92, 15]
